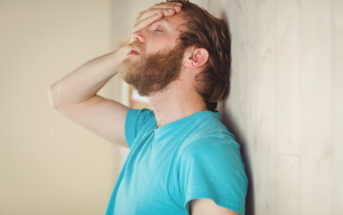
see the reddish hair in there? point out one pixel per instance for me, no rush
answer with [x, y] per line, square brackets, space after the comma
[206, 31]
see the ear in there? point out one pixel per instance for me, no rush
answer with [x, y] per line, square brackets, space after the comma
[195, 57]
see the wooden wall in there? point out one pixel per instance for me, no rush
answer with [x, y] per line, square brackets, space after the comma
[285, 105]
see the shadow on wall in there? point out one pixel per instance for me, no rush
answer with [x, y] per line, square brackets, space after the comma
[227, 120]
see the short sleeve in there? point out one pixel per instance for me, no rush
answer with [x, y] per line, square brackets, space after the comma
[213, 168]
[135, 120]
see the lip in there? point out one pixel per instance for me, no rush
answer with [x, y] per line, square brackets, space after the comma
[133, 52]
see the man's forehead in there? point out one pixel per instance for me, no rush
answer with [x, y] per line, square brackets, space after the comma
[172, 21]
[163, 20]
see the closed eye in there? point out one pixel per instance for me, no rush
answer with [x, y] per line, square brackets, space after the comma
[159, 28]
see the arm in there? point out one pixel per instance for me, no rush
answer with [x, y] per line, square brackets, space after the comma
[208, 206]
[75, 96]
[86, 80]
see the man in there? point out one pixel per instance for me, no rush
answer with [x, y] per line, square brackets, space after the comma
[182, 159]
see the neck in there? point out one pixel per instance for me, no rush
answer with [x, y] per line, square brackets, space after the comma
[175, 103]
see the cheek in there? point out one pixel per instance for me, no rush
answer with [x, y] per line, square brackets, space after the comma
[155, 46]
[158, 43]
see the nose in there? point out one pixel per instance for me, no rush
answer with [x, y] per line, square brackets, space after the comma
[137, 35]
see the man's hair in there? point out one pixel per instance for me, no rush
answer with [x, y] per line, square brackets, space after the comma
[206, 31]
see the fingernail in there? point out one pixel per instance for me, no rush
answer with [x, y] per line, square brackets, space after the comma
[170, 10]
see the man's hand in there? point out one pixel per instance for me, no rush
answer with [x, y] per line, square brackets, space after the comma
[155, 13]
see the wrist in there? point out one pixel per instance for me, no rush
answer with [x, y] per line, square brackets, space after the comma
[121, 54]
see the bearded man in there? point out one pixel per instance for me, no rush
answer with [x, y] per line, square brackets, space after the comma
[182, 159]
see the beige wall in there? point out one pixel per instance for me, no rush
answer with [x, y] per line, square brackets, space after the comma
[49, 164]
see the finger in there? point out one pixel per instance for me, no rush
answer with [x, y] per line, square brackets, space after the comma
[151, 11]
[147, 21]
[169, 12]
[163, 5]
[146, 17]
[166, 4]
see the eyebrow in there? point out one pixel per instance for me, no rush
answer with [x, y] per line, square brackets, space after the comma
[164, 21]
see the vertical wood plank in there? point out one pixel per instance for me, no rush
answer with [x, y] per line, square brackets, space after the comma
[288, 185]
[201, 3]
[337, 102]
[266, 106]
[288, 76]
[316, 136]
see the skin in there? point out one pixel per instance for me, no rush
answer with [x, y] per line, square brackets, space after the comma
[155, 19]
[75, 95]
[180, 98]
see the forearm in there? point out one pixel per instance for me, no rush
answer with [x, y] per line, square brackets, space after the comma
[86, 80]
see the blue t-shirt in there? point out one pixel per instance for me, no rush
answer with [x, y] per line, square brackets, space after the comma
[193, 157]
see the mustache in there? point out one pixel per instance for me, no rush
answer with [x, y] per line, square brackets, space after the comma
[138, 46]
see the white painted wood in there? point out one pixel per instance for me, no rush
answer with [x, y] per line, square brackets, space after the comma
[288, 52]
[316, 133]
[337, 90]
[285, 105]
[288, 198]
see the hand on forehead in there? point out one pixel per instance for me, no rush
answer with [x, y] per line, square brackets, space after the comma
[156, 13]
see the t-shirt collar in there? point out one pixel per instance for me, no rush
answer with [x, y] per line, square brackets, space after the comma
[178, 123]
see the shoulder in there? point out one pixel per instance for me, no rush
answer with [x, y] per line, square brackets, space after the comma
[215, 146]
[210, 132]
[212, 167]
[216, 151]
[211, 126]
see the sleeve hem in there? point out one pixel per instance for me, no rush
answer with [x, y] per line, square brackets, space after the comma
[227, 203]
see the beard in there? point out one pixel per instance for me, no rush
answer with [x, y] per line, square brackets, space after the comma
[151, 73]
